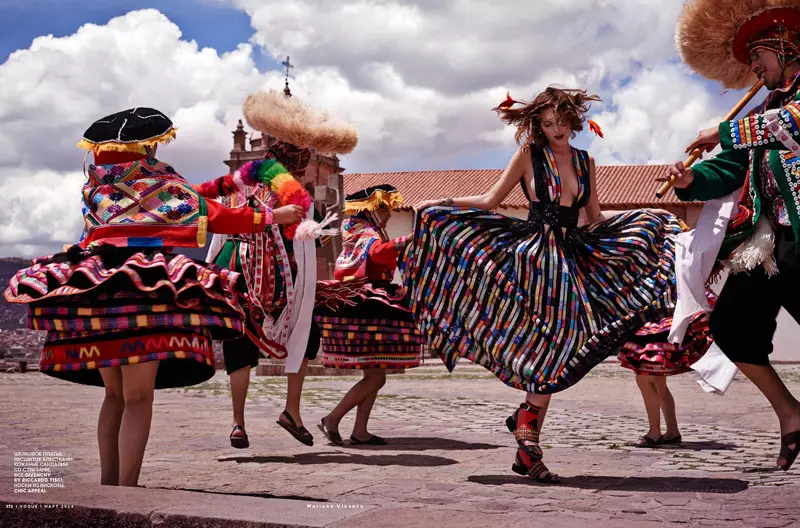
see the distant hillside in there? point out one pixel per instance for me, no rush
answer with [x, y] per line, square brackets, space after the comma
[11, 315]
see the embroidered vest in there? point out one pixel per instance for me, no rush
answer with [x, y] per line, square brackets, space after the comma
[142, 203]
[358, 235]
[759, 134]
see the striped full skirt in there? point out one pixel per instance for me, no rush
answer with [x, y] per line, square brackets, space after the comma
[538, 306]
[366, 326]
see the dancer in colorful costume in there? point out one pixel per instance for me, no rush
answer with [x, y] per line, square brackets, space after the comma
[735, 42]
[279, 267]
[653, 358]
[539, 302]
[121, 310]
[365, 320]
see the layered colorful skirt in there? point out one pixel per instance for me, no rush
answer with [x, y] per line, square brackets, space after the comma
[121, 307]
[366, 326]
[538, 306]
[649, 353]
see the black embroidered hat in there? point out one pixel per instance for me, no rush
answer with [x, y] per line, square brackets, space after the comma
[129, 130]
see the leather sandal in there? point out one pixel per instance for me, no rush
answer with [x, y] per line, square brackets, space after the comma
[239, 442]
[511, 421]
[373, 440]
[646, 441]
[787, 453]
[300, 434]
[333, 436]
[538, 471]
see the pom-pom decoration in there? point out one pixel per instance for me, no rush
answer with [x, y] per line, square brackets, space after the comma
[275, 176]
[310, 230]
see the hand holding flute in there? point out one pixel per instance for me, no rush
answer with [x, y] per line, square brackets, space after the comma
[679, 174]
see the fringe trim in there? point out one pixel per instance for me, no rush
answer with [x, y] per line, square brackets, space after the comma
[135, 146]
[757, 250]
[716, 273]
[379, 198]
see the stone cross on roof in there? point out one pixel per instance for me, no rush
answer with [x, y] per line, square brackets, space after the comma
[287, 64]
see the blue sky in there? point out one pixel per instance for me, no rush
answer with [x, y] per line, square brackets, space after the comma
[417, 78]
[210, 24]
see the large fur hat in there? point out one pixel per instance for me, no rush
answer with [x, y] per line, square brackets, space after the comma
[712, 35]
[289, 120]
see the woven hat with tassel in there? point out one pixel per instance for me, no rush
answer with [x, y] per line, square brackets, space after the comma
[715, 37]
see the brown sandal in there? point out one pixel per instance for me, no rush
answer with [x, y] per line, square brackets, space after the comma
[526, 433]
[301, 434]
[333, 436]
[789, 454]
[511, 421]
[646, 441]
[239, 442]
[538, 471]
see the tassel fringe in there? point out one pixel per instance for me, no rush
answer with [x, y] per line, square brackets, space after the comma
[377, 200]
[310, 230]
[114, 146]
[756, 250]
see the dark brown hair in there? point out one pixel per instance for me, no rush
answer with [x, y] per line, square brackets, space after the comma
[568, 105]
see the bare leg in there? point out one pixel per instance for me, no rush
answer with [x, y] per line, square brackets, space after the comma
[667, 407]
[651, 405]
[357, 394]
[240, 382]
[294, 391]
[377, 378]
[108, 425]
[786, 406]
[138, 385]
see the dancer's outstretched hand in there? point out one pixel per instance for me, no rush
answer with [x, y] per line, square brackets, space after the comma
[684, 176]
[288, 214]
[428, 203]
[706, 140]
[658, 211]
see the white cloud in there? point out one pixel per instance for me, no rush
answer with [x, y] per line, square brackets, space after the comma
[39, 210]
[417, 78]
[655, 116]
[455, 46]
[422, 75]
[51, 92]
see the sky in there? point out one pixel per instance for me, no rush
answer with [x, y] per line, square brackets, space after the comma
[417, 78]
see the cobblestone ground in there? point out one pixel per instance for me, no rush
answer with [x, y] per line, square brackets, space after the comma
[449, 451]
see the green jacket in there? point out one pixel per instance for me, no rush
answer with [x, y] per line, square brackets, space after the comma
[763, 132]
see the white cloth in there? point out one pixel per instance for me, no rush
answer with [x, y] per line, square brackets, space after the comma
[214, 248]
[716, 371]
[305, 289]
[695, 254]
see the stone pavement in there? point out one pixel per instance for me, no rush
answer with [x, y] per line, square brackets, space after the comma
[448, 462]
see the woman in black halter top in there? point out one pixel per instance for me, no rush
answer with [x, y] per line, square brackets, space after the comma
[539, 302]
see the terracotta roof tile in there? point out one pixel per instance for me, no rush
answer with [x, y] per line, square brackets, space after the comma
[621, 186]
